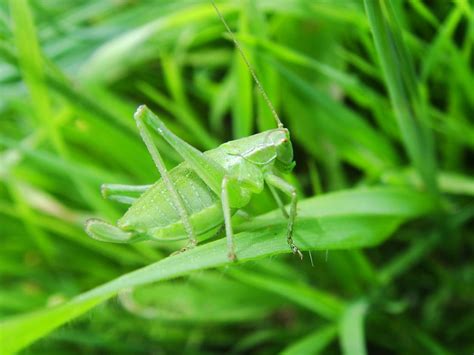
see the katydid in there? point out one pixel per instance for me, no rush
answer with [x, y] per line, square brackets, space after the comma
[203, 192]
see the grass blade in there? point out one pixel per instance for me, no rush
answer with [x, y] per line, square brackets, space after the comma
[31, 61]
[313, 343]
[112, 59]
[351, 329]
[242, 113]
[321, 303]
[377, 213]
[400, 79]
[358, 143]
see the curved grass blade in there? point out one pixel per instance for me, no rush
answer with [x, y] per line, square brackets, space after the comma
[344, 220]
[111, 59]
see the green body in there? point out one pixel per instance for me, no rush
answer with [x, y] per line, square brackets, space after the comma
[154, 213]
[203, 192]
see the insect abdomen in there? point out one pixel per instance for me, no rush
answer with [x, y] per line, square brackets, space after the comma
[155, 211]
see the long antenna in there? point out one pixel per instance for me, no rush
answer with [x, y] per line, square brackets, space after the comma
[242, 54]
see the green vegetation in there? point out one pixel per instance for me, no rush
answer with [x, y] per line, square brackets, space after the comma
[379, 102]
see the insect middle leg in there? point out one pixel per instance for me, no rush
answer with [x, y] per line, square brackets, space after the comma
[160, 165]
[290, 190]
[250, 179]
[227, 218]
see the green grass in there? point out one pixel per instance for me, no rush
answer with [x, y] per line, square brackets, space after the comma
[377, 96]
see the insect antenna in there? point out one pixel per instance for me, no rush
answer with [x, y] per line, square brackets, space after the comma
[247, 63]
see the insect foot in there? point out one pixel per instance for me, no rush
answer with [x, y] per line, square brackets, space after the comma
[296, 251]
[231, 255]
[189, 246]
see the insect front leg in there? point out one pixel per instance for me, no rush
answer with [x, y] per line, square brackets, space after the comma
[160, 165]
[126, 194]
[290, 190]
[278, 201]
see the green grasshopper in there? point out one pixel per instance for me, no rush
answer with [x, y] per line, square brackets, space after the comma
[201, 194]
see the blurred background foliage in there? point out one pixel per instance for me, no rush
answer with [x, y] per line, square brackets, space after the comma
[375, 94]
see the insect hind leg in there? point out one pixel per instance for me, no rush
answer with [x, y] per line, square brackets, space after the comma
[160, 165]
